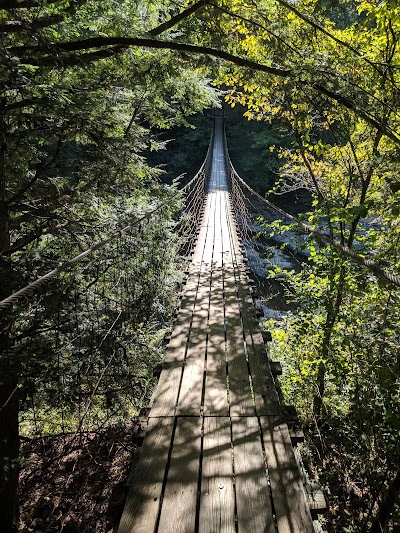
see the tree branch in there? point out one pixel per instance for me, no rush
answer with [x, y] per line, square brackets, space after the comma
[178, 18]
[256, 24]
[72, 60]
[27, 4]
[379, 126]
[17, 26]
[100, 42]
[20, 104]
[120, 43]
[320, 28]
[38, 174]
[23, 241]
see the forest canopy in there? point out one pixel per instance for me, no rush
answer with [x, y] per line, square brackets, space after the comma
[86, 88]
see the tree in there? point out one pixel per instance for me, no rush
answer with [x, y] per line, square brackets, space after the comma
[72, 138]
[83, 82]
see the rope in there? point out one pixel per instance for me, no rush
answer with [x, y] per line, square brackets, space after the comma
[325, 239]
[31, 287]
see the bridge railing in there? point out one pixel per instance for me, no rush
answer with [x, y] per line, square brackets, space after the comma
[195, 194]
[79, 342]
[244, 200]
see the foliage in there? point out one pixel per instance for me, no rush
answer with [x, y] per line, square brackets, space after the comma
[185, 148]
[74, 135]
[84, 86]
[94, 339]
[337, 91]
[252, 148]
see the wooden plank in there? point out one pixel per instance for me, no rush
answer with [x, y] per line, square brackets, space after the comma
[185, 311]
[290, 502]
[205, 237]
[190, 395]
[216, 399]
[207, 256]
[216, 396]
[174, 349]
[198, 231]
[198, 251]
[190, 287]
[254, 507]
[217, 500]
[235, 244]
[192, 380]
[217, 252]
[240, 394]
[142, 505]
[166, 394]
[316, 499]
[227, 243]
[265, 395]
[178, 513]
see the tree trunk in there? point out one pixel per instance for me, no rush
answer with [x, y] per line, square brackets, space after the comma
[4, 229]
[9, 439]
[334, 308]
[9, 434]
[387, 506]
[331, 317]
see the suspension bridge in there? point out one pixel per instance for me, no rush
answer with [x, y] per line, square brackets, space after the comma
[217, 455]
[219, 452]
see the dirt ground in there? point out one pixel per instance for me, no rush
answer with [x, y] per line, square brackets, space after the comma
[76, 484]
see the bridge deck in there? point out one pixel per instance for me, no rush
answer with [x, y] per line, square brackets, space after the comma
[217, 455]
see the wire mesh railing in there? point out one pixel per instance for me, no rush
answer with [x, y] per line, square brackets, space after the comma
[80, 342]
[250, 207]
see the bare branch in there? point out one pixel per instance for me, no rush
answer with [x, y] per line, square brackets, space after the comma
[100, 42]
[178, 18]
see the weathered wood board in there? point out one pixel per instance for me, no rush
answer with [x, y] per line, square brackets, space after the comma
[217, 456]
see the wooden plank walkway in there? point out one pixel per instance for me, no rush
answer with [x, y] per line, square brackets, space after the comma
[217, 456]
